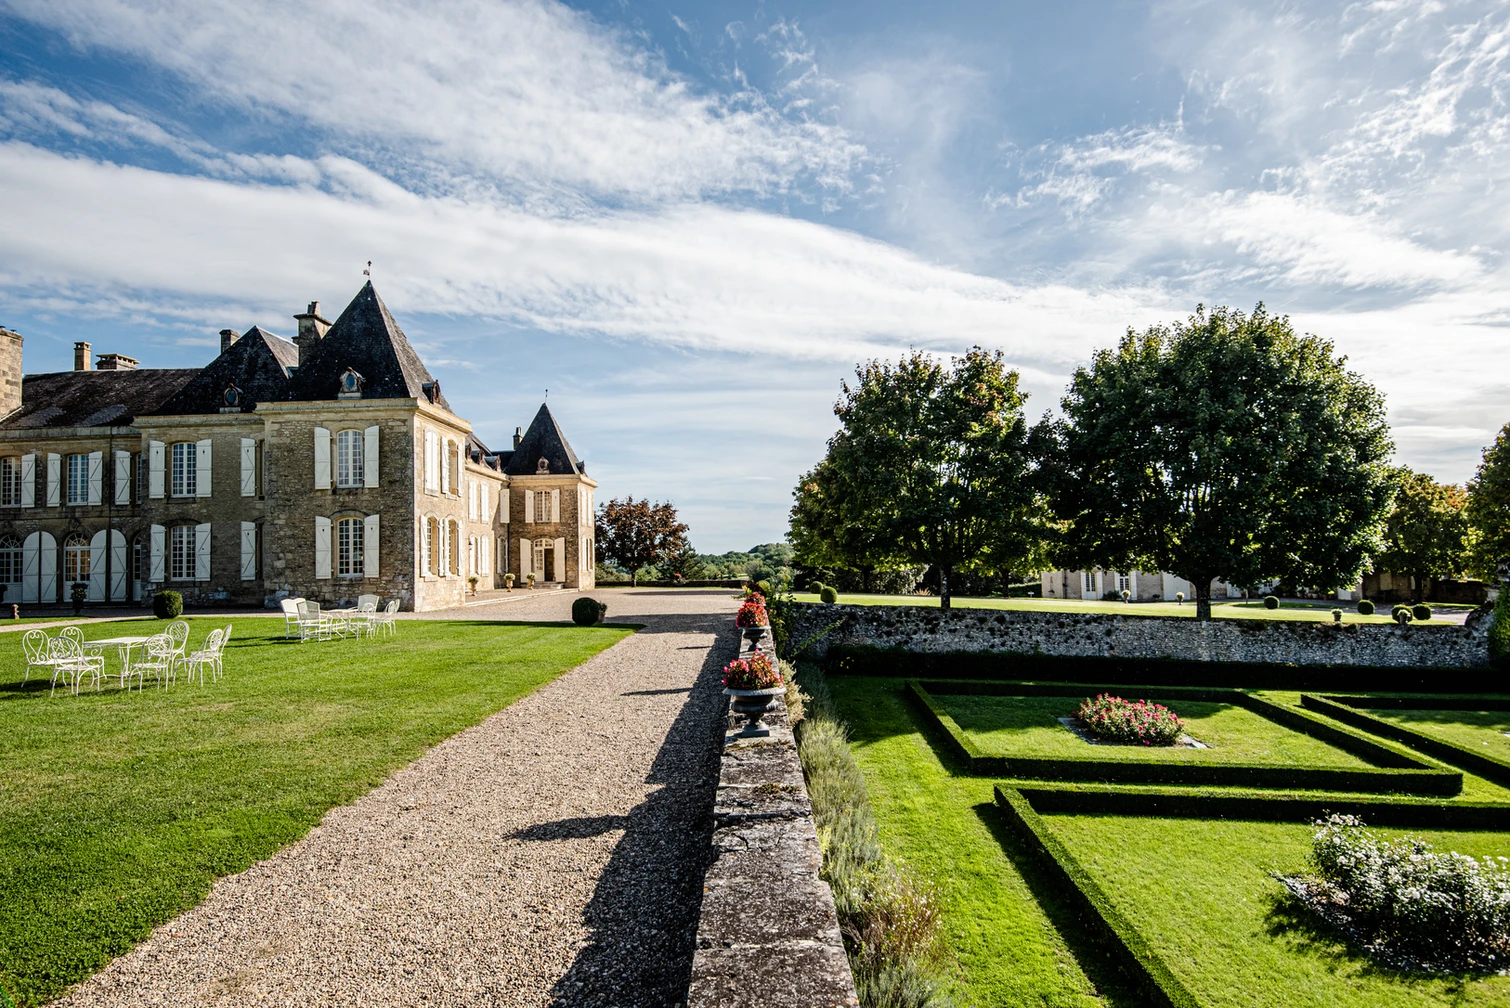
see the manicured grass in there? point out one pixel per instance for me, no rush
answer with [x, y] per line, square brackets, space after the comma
[1482, 731]
[1008, 951]
[118, 809]
[1200, 891]
[1219, 610]
[1028, 726]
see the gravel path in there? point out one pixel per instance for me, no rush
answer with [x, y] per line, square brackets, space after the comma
[551, 855]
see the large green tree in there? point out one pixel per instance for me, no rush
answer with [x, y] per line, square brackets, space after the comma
[1224, 446]
[1488, 508]
[1427, 531]
[930, 466]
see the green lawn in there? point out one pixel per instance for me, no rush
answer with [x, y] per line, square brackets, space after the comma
[1028, 726]
[1482, 731]
[1246, 609]
[1007, 951]
[1199, 890]
[118, 809]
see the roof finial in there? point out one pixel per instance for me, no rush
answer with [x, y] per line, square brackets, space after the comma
[368, 271]
[547, 393]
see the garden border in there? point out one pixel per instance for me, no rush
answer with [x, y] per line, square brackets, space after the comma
[1345, 708]
[1401, 771]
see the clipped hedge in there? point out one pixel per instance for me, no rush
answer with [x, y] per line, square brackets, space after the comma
[1399, 771]
[167, 605]
[1345, 709]
[587, 611]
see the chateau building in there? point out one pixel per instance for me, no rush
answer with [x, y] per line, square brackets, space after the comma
[328, 467]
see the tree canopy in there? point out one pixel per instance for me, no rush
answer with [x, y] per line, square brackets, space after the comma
[1488, 508]
[1224, 446]
[1427, 531]
[634, 534]
[930, 466]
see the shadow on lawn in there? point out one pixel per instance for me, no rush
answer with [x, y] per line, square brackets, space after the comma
[644, 911]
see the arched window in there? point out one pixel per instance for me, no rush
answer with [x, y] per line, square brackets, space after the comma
[141, 557]
[10, 481]
[10, 560]
[181, 546]
[349, 547]
[185, 474]
[76, 558]
[432, 546]
[349, 458]
[455, 536]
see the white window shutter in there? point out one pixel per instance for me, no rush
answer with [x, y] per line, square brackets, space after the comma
[54, 480]
[97, 495]
[248, 467]
[202, 468]
[555, 505]
[471, 500]
[445, 468]
[156, 454]
[430, 476]
[485, 554]
[529, 506]
[158, 571]
[526, 557]
[322, 548]
[370, 472]
[487, 515]
[560, 545]
[248, 551]
[322, 460]
[202, 552]
[370, 546]
[123, 477]
[28, 481]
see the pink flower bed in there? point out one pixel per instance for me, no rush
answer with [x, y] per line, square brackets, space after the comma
[1130, 722]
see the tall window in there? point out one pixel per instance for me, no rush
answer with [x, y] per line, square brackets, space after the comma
[1124, 583]
[349, 458]
[141, 557]
[141, 478]
[455, 534]
[185, 474]
[78, 479]
[10, 560]
[10, 481]
[542, 505]
[432, 546]
[1090, 581]
[76, 558]
[349, 547]
[181, 551]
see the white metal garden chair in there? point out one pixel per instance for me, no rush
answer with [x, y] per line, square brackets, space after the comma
[364, 620]
[34, 646]
[225, 640]
[72, 664]
[206, 657]
[178, 633]
[387, 620]
[290, 607]
[159, 657]
[368, 603]
[313, 624]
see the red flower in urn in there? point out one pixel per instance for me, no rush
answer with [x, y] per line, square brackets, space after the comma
[752, 613]
[752, 673]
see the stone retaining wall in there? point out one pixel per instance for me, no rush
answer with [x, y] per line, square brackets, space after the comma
[768, 936]
[919, 629]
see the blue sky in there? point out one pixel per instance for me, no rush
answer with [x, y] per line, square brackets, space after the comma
[689, 221]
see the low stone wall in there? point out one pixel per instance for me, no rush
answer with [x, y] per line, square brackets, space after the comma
[1086, 635]
[768, 936]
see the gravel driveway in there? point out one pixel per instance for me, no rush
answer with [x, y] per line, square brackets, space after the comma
[552, 855]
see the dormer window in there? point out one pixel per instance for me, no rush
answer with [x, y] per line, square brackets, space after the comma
[432, 390]
[231, 397]
[543, 468]
[351, 385]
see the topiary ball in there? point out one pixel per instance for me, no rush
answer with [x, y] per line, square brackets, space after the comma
[587, 611]
[1270, 602]
[818, 587]
[1421, 612]
[827, 594]
[167, 605]
[1365, 607]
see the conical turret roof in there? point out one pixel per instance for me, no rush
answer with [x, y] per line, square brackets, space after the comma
[367, 340]
[544, 440]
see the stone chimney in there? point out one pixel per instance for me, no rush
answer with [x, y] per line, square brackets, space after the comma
[117, 362]
[312, 329]
[81, 358]
[518, 437]
[10, 371]
[227, 337]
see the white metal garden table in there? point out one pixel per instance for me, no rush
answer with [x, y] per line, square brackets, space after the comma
[123, 646]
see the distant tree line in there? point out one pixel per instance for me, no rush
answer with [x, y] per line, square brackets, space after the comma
[1224, 446]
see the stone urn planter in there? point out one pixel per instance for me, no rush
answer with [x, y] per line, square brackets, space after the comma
[755, 634]
[754, 704]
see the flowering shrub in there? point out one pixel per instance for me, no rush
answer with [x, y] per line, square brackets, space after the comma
[754, 672]
[752, 613]
[1406, 903]
[1141, 723]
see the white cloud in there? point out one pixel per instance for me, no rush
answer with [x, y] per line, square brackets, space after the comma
[1079, 174]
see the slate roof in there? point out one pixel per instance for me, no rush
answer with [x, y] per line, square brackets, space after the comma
[258, 363]
[543, 440]
[367, 340]
[93, 398]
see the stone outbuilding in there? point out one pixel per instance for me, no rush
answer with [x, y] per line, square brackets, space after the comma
[327, 466]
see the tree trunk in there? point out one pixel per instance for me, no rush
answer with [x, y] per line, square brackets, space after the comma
[634, 578]
[943, 587]
[1202, 590]
[1418, 588]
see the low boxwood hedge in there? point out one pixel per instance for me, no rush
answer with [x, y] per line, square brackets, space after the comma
[1399, 770]
[1345, 709]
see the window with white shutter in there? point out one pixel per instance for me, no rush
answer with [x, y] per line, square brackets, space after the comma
[370, 546]
[370, 471]
[96, 478]
[185, 472]
[487, 514]
[159, 558]
[156, 469]
[203, 469]
[485, 555]
[322, 459]
[248, 551]
[77, 469]
[529, 506]
[123, 477]
[526, 557]
[559, 551]
[248, 467]
[349, 552]
[28, 481]
[322, 547]
[54, 479]
[202, 552]
[555, 505]
[432, 470]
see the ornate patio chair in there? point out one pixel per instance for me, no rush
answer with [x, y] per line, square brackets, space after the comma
[387, 620]
[290, 607]
[71, 663]
[205, 657]
[34, 646]
[368, 603]
[178, 632]
[313, 625]
[365, 618]
[225, 640]
[74, 634]
[159, 658]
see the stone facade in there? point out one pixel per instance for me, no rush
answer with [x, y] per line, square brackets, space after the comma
[1144, 586]
[327, 467]
[919, 629]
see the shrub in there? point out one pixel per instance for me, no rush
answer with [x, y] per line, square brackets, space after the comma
[764, 587]
[754, 672]
[167, 605]
[1421, 612]
[78, 594]
[1406, 903]
[587, 611]
[828, 595]
[1401, 614]
[1270, 602]
[1365, 607]
[1141, 723]
[1499, 629]
[752, 612]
